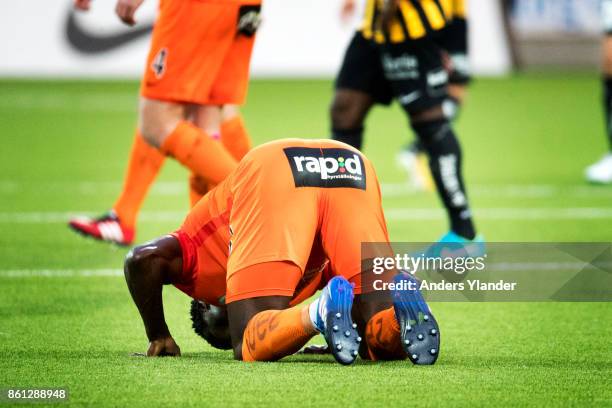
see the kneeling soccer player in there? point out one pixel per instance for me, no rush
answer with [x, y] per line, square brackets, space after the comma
[288, 221]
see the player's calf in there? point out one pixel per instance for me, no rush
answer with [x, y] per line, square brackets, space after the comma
[347, 112]
[273, 334]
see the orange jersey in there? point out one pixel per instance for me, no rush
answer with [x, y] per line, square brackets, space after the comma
[308, 202]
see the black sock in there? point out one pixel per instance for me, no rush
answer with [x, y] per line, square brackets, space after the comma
[442, 147]
[607, 102]
[353, 137]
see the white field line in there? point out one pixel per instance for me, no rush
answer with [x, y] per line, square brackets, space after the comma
[61, 217]
[390, 190]
[500, 266]
[162, 188]
[391, 214]
[58, 273]
[572, 213]
[65, 101]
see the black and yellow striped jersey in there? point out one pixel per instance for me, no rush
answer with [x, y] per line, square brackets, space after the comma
[415, 19]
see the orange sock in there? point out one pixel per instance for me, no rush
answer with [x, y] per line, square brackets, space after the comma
[235, 137]
[144, 163]
[383, 337]
[273, 334]
[205, 157]
[236, 140]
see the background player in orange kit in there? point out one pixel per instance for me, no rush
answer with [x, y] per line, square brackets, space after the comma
[290, 219]
[196, 74]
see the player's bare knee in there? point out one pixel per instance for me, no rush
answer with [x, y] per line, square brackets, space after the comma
[157, 120]
[338, 110]
[229, 112]
[151, 127]
[345, 112]
[427, 115]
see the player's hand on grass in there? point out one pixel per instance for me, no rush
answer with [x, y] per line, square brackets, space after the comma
[165, 346]
[125, 10]
[82, 5]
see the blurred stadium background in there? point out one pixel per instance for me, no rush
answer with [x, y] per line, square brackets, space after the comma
[68, 99]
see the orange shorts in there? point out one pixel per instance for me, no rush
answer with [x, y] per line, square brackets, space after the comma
[300, 201]
[197, 55]
[204, 240]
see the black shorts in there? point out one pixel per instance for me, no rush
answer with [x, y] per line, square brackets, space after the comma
[362, 70]
[454, 40]
[411, 72]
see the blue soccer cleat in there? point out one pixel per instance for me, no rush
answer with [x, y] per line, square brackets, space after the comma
[334, 320]
[419, 331]
[455, 246]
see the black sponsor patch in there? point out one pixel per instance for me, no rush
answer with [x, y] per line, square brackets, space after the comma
[249, 20]
[327, 168]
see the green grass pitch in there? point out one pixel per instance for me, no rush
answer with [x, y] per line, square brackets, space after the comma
[63, 150]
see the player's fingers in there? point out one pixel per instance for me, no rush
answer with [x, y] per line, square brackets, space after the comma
[125, 13]
[119, 10]
[129, 18]
[155, 349]
[173, 349]
[82, 4]
[167, 352]
[347, 11]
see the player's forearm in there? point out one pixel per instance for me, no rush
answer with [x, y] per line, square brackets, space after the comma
[145, 279]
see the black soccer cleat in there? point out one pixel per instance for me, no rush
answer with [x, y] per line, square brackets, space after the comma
[335, 323]
[419, 331]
